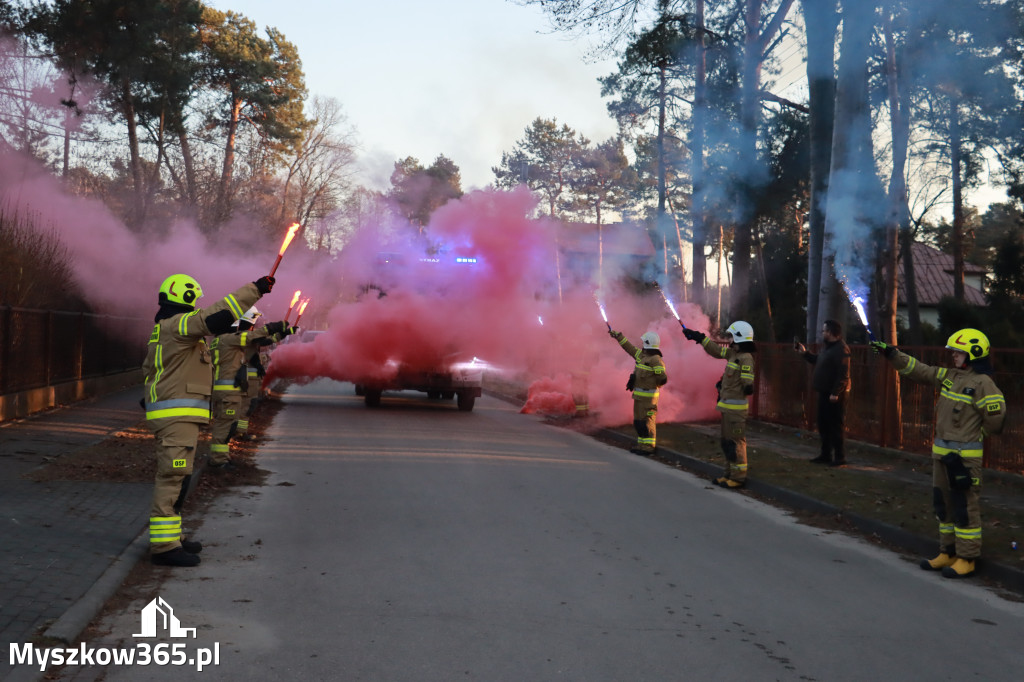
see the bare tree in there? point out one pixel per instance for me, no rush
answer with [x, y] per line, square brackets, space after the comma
[320, 172]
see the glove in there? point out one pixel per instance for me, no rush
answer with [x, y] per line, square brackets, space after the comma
[693, 335]
[265, 284]
[242, 378]
[883, 348]
[275, 327]
[615, 335]
[748, 390]
[288, 331]
[631, 383]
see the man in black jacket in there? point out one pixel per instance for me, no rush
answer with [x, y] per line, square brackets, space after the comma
[832, 382]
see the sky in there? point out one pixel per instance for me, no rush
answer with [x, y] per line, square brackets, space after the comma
[463, 78]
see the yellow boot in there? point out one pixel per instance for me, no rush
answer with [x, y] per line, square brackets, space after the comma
[961, 568]
[940, 562]
[729, 483]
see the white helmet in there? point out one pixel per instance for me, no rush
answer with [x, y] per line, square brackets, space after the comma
[249, 316]
[740, 331]
[650, 340]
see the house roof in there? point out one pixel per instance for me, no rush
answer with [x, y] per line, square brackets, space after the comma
[933, 272]
[617, 239]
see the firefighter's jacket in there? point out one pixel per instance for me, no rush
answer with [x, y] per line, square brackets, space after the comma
[178, 373]
[230, 352]
[970, 405]
[737, 380]
[649, 372]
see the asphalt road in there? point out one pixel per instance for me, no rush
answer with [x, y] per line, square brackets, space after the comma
[416, 542]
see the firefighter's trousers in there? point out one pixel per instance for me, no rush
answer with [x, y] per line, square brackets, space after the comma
[175, 455]
[645, 416]
[734, 444]
[958, 511]
[227, 410]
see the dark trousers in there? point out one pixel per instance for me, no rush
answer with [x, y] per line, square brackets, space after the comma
[831, 424]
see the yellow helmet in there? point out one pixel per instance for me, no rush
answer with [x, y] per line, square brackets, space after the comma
[180, 289]
[969, 341]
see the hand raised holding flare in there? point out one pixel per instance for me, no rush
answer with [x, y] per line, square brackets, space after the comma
[693, 335]
[882, 348]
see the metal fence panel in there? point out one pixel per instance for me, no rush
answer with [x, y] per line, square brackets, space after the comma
[42, 347]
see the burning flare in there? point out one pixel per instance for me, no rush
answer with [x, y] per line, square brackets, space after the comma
[292, 305]
[671, 307]
[857, 301]
[604, 315]
[302, 309]
[284, 245]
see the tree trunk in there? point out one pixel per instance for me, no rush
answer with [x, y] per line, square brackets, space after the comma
[764, 289]
[682, 293]
[749, 102]
[223, 209]
[898, 211]
[852, 173]
[135, 160]
[699, 259]
[910, 286]
[755, 44]
[661, 217]
[190, 172]
[822, 20]
[956, 161]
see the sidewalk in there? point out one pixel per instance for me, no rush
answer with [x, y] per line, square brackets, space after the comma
[61, 537]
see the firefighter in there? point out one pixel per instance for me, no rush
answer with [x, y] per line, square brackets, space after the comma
[231, 380]
[736, 384]
[970, 406]
[244, 323]
[178, 382]
[647, 377]
[254, 374]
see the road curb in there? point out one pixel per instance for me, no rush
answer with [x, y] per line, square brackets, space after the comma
[73, 622]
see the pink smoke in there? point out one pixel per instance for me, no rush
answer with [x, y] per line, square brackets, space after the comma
[528, 315]
[503, 308]
[552, 396]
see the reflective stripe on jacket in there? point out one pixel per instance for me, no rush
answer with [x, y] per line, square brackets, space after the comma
[177, 370]
[230, 352]
[649, 371]
[738, 374]
[969, 407]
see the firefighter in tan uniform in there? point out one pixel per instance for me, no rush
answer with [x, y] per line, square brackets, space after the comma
[970, 407]
[254, 373]
[647, 378]
[231, 380]
[736, 384]
[178, 382]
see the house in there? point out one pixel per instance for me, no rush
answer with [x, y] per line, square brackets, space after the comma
[933, 272]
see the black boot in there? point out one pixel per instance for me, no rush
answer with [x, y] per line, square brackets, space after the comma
[175, 557]
[822, 459]
[191, 546]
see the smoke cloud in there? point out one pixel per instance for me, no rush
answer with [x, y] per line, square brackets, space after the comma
[483, 281]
